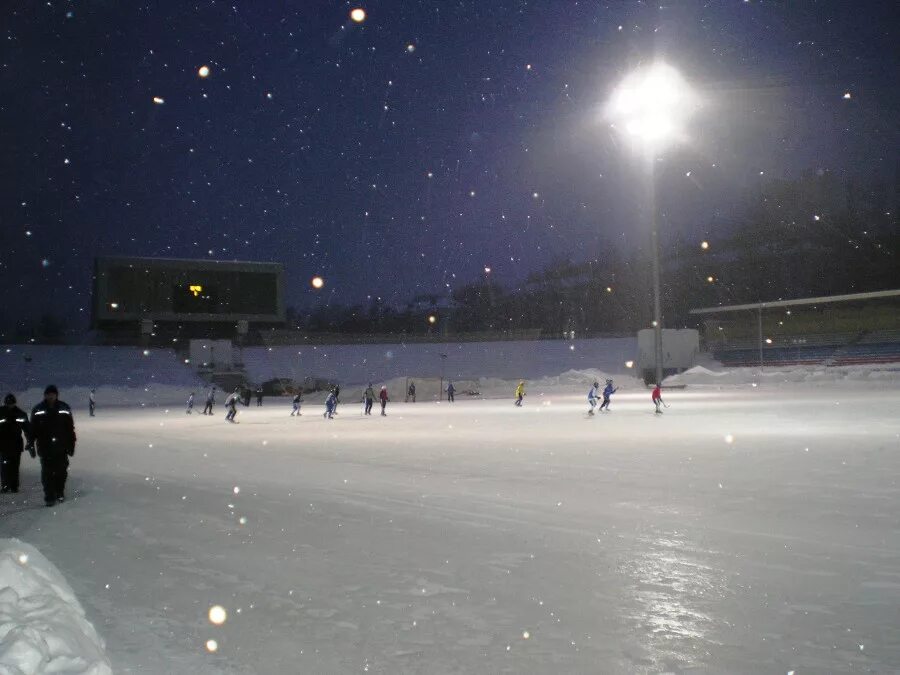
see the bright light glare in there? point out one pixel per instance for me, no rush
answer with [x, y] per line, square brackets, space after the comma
[317, 282]
[358, 14]
[652, 105]
[217, 615]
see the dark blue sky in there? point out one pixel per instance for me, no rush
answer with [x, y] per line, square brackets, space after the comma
[403, 154]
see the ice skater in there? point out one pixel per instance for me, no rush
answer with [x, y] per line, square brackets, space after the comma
[190, 404]
[210, 401]
[259, 397]
[92, 402]
[368, 399]
[451, 392]
[593, 396]
[298, 399]
[330, 405]
[13, 425]
[53, 431]
[410, 392]
[337, 396]
[383, 395]
[231, 403]
[656, 397]
[608, 391]
[520, 393]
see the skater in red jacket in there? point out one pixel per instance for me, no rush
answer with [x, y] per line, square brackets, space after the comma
[656, 397]
[383, 395]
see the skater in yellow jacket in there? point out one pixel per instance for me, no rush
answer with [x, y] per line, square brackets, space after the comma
[520, 393]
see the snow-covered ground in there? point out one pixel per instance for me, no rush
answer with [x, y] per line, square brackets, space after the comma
[745, 530]
[701, 376]
[42, 626]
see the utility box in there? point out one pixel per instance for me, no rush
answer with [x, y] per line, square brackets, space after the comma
[679, 346]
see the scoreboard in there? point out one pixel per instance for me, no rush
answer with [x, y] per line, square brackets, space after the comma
[135, 289]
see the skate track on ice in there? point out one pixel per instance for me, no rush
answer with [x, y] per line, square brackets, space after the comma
[434, 540]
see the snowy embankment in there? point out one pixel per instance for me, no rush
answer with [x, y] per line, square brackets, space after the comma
[43, 628]
[469, 361]
[122, 376]
[777, 375]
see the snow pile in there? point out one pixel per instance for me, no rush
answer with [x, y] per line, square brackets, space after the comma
[569, 382]
[26, 366]
[467, 361]
[42, 626]
[152, 395]
[700, 376]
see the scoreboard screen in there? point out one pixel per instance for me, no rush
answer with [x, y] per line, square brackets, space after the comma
[194, 299]
[187, 290]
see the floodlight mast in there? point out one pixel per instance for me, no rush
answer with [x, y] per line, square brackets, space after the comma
[651, 106]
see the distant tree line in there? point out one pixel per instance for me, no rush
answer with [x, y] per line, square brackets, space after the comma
[812, 236]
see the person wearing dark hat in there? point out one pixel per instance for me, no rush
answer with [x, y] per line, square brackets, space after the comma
[13, 424]
[53, 431]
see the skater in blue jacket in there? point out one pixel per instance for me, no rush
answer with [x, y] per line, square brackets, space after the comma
[330, 405]
[608, 391]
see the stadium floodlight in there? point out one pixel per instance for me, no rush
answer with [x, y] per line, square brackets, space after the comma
[651, 107]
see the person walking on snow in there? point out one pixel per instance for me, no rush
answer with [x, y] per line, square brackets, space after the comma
[231, 403]
[53, 431]
[593, 395]
[451, 392]
[608, 391]
[210, 400]
[520, 393]
[330, 405]
[92, 402]
[369, 399]
[13, 425]
[190, 404]
[656, 397]
[383, 395]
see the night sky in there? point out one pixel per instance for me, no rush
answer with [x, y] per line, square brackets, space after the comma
[403, 154]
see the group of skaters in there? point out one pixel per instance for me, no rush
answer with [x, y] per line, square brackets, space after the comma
[594, 396]
[48, 434]
[332, 400]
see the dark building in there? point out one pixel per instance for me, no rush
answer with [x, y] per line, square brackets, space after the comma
[165, 298]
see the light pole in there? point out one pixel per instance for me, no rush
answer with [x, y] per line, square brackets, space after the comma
[650, 107]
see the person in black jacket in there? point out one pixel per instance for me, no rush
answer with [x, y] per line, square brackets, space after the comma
[13, 423]
[53, 430]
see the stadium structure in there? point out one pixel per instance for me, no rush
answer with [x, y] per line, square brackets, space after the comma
[157, 299]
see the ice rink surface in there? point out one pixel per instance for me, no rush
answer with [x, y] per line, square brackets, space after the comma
[743, 531]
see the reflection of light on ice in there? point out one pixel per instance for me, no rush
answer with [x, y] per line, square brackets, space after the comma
[212, 646]
[669, 583]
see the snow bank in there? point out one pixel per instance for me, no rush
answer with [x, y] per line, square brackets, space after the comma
[701, 376]
[467, 361]
[26, 366]
[42, 625]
